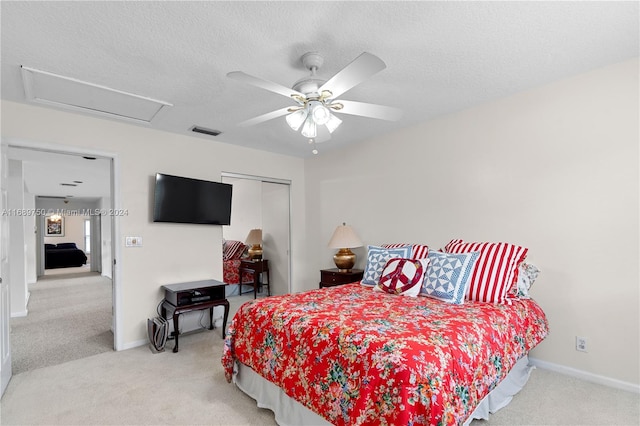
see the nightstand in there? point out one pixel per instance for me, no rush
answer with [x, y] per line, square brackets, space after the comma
[257, 267]
[334, 276]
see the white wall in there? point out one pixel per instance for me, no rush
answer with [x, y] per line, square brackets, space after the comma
[171, 252]
[554, 169]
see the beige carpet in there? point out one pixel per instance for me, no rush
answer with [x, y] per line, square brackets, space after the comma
[137, 387]
[66, 271]
[69, 318]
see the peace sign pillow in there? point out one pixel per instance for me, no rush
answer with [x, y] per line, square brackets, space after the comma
[403, 276]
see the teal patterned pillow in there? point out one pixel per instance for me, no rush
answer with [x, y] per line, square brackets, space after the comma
[448, 276]
[377, 258]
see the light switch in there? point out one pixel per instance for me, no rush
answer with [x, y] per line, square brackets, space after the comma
[133, 241]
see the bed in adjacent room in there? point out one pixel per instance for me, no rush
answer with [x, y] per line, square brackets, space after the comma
[365, 354]
[63, 255]
[232, 254]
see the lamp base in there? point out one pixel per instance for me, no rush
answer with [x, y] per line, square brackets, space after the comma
[344, 259]
[255, 252]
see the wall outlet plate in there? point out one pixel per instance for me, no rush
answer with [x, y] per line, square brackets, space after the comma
[581, 344]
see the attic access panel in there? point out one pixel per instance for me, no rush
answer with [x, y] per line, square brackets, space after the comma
[65, 92]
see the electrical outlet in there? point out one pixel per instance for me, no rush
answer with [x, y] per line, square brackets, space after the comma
[581, 344]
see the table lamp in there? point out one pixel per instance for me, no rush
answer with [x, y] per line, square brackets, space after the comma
[254, 239]
[344, 238]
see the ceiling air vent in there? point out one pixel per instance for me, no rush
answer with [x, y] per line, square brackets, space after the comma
[205, 131]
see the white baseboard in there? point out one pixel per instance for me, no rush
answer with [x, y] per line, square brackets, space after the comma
[217, 322]
[19, 314]
[585, 375]
[134, 344]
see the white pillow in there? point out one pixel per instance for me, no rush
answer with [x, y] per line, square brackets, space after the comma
[527, 274]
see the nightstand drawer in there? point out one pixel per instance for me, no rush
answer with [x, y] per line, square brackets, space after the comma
[333, 277]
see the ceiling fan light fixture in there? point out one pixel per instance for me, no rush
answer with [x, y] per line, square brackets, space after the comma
[333, 123]
[299, 99]
[296, 118]
[321, 114]
[317, 100]
[309, 128]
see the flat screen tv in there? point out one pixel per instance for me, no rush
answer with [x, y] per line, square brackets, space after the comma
[186, 200]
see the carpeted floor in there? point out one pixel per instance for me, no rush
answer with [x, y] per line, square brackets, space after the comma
[69, 318]
[138, 387]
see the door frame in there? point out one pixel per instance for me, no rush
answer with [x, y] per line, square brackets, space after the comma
[115, 220]
[270, 180]
[5, 297]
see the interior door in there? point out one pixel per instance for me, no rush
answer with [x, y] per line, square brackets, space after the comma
[275, 235]
[5, 307]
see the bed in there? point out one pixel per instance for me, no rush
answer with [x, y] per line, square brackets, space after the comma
[63, 255]
[352, 355]
[233, 251]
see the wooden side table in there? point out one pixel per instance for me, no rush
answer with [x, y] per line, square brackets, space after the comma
[170, 311]
[334, 276]
[256, 267]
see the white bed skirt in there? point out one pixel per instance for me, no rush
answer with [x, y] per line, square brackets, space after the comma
[289, 412]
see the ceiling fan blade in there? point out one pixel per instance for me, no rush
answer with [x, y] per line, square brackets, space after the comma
[369, 110]
[361, 68]
[263, 84]
[265, 117]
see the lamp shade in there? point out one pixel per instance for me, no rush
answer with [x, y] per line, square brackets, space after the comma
[344, 237]
[254, 237]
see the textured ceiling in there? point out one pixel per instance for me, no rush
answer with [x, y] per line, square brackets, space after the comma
[441, 56]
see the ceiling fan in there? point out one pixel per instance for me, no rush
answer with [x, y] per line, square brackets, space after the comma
[317, 100]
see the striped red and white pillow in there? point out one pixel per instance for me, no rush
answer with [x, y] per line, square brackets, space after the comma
[495, 271]
[418, 251]
[232, 250]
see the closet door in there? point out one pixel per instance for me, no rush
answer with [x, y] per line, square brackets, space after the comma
[262, 202]
[275, 234]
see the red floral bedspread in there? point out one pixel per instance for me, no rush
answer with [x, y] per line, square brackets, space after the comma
[231, 272]
[359, 357]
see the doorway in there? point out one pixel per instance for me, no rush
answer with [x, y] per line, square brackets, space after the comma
[264, 203]
[80, 222]
[89, 287]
